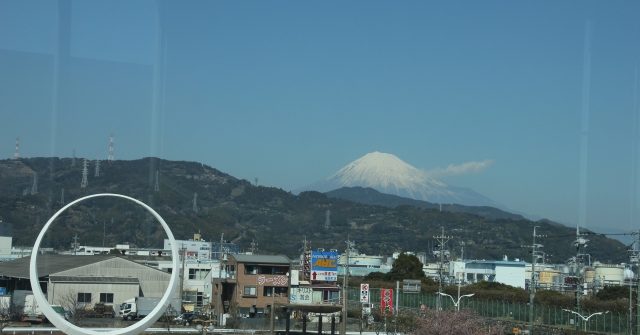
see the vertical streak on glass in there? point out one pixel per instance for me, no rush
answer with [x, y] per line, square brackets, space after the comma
[158, 84]
[635, 155]
[584, 128]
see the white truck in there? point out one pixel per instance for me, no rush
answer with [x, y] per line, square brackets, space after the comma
[139, 307]
[26, 302]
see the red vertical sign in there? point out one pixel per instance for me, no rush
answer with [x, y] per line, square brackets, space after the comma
[386, 299]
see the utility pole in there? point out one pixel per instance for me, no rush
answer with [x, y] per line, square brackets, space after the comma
[183, 254]
[635, 262]
[219, 305]
[579, 242]
[442, 240]
[535, 253]
[345, 284]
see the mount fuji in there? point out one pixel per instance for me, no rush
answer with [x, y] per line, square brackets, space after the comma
[388, 174]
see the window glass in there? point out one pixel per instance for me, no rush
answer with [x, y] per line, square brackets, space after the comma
[106, 298]
[84, 297]
[249, 291]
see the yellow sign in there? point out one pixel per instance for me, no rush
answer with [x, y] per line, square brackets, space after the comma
[326, 263]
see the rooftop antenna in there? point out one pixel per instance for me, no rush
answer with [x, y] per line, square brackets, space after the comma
[34, 186]
[16, 154]
[85, 172]
[97, 172]
[195, 202]
[156, 187]
[111, 156]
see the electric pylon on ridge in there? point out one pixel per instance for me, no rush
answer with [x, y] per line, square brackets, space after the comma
[16, 154]
[85, 173]
[111, 156]
[97, 170]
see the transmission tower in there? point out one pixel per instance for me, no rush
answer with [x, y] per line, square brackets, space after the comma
[442, 239]
[111, 156]
[85, 172]
[73, 158]
[34, 186]
[75, 245]
[254, 246]
[195, 202]
[16, 154]
[97, 171]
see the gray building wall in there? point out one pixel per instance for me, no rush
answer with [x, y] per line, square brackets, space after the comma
[65, 294]
[153, 282]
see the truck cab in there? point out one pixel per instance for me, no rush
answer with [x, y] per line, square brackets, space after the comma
[128, 310]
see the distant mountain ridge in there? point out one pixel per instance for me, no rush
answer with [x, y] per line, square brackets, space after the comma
[369, 196]
[193, 197]
[389, 174]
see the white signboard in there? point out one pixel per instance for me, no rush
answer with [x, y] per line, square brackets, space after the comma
[364, 293]
[301, 295]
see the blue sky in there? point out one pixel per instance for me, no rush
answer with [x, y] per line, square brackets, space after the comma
[290, 91]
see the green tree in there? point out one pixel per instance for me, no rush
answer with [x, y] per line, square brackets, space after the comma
[406, 267]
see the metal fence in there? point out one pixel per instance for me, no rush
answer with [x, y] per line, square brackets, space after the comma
[612, 323]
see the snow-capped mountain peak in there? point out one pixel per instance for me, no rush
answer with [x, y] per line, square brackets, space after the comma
[389, 174]
[378, 169]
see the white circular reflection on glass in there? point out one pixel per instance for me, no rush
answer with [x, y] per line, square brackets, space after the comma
[138, 327]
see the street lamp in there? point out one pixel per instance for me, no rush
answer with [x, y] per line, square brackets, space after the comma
[456, 303]
[585, 319]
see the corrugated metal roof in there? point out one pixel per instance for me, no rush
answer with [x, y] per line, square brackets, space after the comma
[84, 279]
[262, 259]
[48, 264]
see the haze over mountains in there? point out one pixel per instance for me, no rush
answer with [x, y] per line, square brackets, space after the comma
[389, 174]
[193, 197]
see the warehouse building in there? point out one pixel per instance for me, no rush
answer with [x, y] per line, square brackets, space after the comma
[86, 280]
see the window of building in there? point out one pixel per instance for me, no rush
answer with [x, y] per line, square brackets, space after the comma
[84, 297]
[266, 270]
[280, 270]
[281, 291]
[268, 291]
[250, 270]
[198, 274]
[199, 299]
[249, 291]
[107, 298]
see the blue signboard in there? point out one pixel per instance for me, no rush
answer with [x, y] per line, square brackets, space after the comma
[324, 266]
